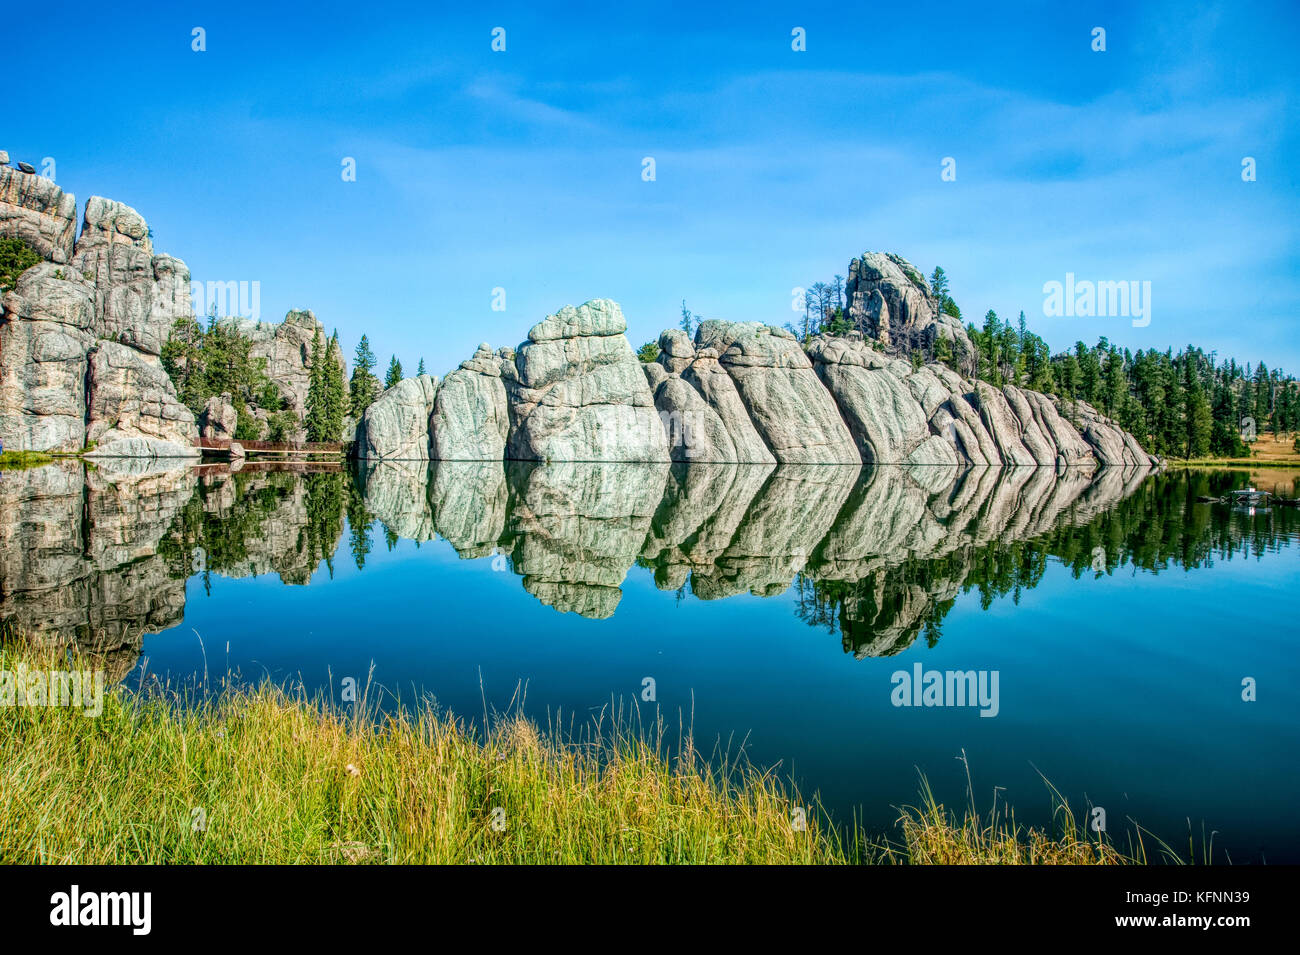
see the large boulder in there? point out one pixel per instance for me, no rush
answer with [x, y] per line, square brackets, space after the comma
[471, 417]
[396, 425]
[132, 409]
[46, 324]
[219, 418]
[577, 392]
[34, 209]
[795, 416]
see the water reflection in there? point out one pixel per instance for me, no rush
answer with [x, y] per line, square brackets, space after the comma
[98, 557]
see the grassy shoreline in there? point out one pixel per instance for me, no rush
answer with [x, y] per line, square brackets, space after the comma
[270, 776]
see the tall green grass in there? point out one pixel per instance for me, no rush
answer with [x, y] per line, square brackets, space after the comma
[266, 775]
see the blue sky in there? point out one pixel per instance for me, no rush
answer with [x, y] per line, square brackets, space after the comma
[522, 169]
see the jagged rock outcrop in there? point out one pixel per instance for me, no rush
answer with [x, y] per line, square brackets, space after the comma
[471, 416]
[694, 430]
[34, 209]
[577, 392]
[901, 414]
[81, 334]
[738, 393]
[793, 414]
[1111, 444]
[396, 425]
[138, 295]
[886, 420]
[889, 300]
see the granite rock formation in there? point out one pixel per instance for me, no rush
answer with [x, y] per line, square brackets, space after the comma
[81, 334]
[577, 392]
[889, 300]
[739, 392]
[396, 425]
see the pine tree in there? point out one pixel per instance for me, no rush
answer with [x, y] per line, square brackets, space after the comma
[317, 398]
[394, 373]
[1196, 411]
[420, 370]
[364, 387]
[335, 393]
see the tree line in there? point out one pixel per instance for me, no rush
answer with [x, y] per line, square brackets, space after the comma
[1186, 404]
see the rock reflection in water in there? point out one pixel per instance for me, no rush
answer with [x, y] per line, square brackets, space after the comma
[98, 557]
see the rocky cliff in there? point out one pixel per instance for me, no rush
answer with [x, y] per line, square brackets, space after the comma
[81, 335]
[739, 392]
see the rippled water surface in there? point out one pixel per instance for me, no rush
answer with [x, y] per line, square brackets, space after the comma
[769, 606]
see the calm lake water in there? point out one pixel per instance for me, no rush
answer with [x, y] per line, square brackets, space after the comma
[770, 606]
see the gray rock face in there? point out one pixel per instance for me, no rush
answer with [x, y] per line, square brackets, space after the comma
[34, 209]
[577, 392]
[715, 386]
[46, 331]
[792, 412]
[471, 416]
[886, 420]
[693, 428]
[1002, 425]
[79, 341]
[132, 409]
[890, 300]
[396, 425]
[138, 296]
[1109, 443]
